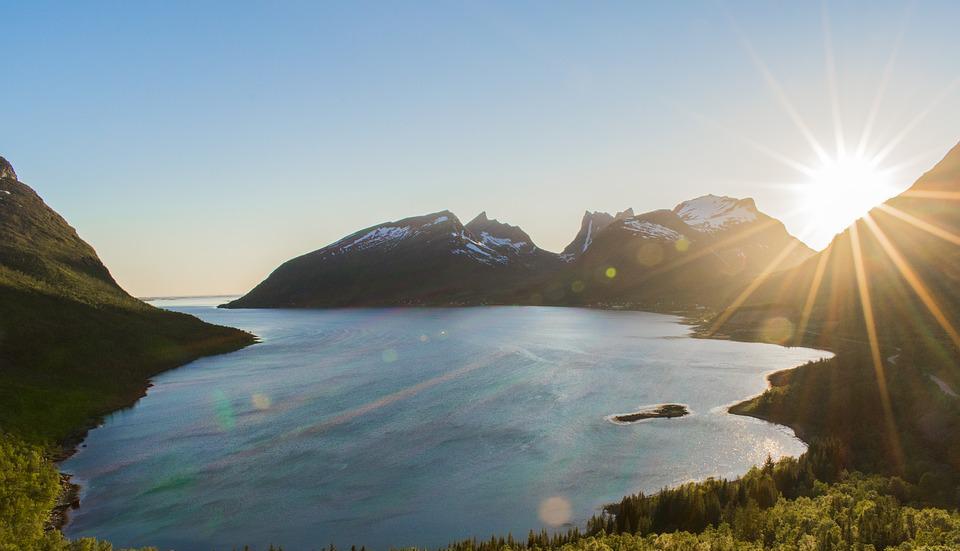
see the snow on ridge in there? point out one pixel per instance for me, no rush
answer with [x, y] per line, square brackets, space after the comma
[646, 228]
[377, 236]
[711, 213]
[385, 234]
[589, 238]
[480, 252]
[501, 242]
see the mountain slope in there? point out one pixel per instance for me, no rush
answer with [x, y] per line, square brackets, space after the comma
[885, 296]
[423, 260]
[590, 225]
[698, 253]
[659, 260]
[73, 345]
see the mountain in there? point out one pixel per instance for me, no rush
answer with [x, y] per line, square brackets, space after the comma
[748, 240]
[694, 254]
[423, 260]
[73, 344]
[509, 241]
[885, 296]
[697, 253]
[591, 224]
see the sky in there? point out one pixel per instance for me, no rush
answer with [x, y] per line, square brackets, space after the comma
[199, 145]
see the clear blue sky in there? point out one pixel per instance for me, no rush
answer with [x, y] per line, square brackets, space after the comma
[198, 145]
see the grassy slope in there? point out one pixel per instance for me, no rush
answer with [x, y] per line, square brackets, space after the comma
[73, 345]
[66, 363]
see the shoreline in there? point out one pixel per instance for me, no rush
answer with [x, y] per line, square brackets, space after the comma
[700, 330]
[68, 499]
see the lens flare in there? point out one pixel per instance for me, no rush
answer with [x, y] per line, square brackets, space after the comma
[650, 254]
[555, 511]
[223, 411]
[260, 401]
[389, 356]
[778, 330]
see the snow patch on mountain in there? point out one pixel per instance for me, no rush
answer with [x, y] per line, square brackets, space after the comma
[501, 242]
[589, 239]
[479, 252]
[376, 237]
[712, 213]
[645, 228]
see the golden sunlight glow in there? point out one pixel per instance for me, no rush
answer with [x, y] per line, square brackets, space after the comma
[840, 191]
[867, 305]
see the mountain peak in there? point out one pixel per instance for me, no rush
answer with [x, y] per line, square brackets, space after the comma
[499, 235]
[432, 219]
[713, 213]
[6, 169]
[590, 224]
[479, 219]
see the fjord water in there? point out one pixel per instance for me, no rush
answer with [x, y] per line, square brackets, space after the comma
[397, 427]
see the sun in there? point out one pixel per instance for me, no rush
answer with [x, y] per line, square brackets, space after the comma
[840, 191]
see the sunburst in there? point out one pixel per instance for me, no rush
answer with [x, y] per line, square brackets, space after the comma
[840, 191]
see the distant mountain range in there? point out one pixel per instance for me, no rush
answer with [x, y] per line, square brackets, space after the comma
[693, 254]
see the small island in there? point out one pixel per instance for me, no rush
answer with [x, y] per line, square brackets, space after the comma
[667, 411]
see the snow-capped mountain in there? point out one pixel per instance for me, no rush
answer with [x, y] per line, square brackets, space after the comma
[741, 235]
[504, 238]
[429, 259]
[679, 256]
[694, 254]
[712, 213]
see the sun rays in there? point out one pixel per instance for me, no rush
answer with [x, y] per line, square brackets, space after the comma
[858, 170]
[845, 188]
[913, 280]
[870, 322]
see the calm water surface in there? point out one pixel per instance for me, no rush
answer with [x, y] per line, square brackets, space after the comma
[400, 427]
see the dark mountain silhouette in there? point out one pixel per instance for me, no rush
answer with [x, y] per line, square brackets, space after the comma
[696, 254]
[659, 260]
[423, 260]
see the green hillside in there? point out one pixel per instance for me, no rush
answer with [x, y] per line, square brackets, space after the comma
[74, 346]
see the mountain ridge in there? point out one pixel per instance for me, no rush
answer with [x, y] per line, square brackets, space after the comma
[491, 262]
